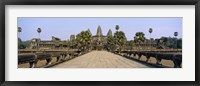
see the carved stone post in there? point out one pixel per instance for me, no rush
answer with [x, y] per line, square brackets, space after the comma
[148, 57]
[67, 57]
[70, 56]
[59, 58]
[158, 61]
[33, 64]
[48, 61]
[63, 57]
[177, 64]
[130, 55]
[134, 54]
[139, 56]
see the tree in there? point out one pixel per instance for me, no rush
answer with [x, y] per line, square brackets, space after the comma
[119, 38]
[39, 31]
[19, 43]
[150, 31]
[139, 38]
[176, 34]
[68, 43]
[23, 44]
[117, 27]
[89, 31]
[64, 43]
[179, 44]
[110, 42]
[19, 31]
[165, 41]
[170, 42]
[84, 39]
[131, 44]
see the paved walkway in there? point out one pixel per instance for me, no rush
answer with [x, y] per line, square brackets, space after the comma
[100, 59]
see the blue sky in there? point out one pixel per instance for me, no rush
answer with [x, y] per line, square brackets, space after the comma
[64, 27]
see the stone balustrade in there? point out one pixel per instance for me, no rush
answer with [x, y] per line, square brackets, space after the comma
[173, 55]
[32, 57]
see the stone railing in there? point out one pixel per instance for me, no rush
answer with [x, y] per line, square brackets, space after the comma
[173, 55]
[32, 57]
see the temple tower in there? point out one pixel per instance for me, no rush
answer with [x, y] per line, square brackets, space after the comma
[109, 33]
[89, 31]
[72, 37]
[99, 31]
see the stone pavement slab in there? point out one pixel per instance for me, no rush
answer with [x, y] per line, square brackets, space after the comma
[100, 59]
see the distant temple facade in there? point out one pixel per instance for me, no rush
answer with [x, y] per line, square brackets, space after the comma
[41, 44]
[99, 42]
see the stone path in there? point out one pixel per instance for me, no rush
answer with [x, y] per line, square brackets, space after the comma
[100, 59]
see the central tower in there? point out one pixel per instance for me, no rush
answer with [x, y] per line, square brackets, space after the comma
[99, 31]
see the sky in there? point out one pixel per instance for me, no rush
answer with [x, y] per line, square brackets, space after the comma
[64, 27]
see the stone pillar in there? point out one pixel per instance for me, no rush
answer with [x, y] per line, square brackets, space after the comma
[58, 58]
[139, 56]
[33, 64]
[177, 64]
[48, 61]
[148, 57]
[158, 61]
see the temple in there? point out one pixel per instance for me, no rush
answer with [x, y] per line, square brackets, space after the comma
[98, 41]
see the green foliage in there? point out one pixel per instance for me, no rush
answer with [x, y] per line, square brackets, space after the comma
[150, 30]
[64, 43]
[139, 37]
[171, 42]
[39, 30]
[179, 43]
[165, 41]
[175, 33]
[110, 40]
[19, 29]
[131, 44]
[89, 31]
[22, 44]
[119, 38]
[117, 27]
[84, 38]
[69, 43]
